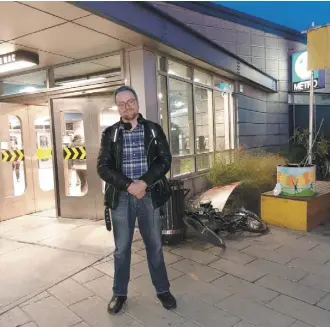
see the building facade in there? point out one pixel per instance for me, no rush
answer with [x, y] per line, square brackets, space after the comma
[213, 78]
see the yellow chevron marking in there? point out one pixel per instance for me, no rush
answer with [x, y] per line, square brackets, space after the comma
[13, 155]
[68, 153]
[75, 153]
[83, 155]
[21, 155]
[5, 156]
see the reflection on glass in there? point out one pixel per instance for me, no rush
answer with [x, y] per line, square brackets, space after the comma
[75, 166]
[182, 166]
[108, 117]
[162, 101]
[87, 72]
[204, 121]
[15, 156]
[26, 83]
[204, 124]
[181, 118]
[219, 105]
[177, 69]
[203, 161]
[44, 153]
[223, 85]
[202, 78]
[161, 63]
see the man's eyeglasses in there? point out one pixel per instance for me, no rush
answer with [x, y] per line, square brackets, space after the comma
[130, 103]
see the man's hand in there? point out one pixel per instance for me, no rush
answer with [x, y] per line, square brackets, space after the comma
[138, 189]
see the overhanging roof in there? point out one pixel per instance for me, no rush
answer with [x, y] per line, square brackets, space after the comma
[216, 10]
[144, 18]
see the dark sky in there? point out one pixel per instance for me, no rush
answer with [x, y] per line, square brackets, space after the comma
[295, 14]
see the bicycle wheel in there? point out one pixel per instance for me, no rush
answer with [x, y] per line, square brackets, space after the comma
[250, 222]
[205, 232]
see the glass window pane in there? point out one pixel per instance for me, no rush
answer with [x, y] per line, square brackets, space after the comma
[202, 78]
[74, 155]
[219, 106]
[87, 72]
[177, 69]
[224, 86]
[44, 153]
[162, 103]
[181, 118]
[27, 83]
[108, 117]
[161, 63]
[204, 120]
[182, 166]
[203, 161]
[14, 157]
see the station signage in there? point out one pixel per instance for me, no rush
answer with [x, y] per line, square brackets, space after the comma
[7, 58]
[300, 75]
[17, 60]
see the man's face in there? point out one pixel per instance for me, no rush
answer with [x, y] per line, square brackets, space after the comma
[127, 104]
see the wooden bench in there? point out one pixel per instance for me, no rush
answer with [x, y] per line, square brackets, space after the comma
[299, 213]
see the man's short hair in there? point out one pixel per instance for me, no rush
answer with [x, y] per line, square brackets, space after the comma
[123, 89]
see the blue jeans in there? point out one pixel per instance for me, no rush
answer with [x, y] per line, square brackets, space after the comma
[123, 221]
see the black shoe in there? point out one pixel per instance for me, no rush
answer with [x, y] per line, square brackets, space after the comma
[168, 300]
[116, 304]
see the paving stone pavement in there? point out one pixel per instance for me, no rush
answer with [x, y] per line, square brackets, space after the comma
[281, 279]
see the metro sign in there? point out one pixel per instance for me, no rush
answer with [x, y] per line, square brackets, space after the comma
[301, 75]
[304, 86]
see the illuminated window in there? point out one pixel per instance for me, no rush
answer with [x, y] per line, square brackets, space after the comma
[74, 155]
[44, 153]
[14, 157]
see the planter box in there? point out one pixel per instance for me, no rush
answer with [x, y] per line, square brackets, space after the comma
[298, 213]
[296, 181]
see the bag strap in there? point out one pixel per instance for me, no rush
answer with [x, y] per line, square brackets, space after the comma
[107, 219]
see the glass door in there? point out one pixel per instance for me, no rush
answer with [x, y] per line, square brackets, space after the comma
[78, 127]
[41, 147]
[17, 189]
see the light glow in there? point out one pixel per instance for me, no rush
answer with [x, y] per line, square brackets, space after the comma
[15, 66]
[28, 89]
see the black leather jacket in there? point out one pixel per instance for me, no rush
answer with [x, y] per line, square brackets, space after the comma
[109, 163]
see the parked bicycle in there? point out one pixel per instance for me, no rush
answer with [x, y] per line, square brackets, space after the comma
[210, 222]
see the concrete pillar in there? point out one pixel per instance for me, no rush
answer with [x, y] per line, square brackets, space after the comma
[142, 77]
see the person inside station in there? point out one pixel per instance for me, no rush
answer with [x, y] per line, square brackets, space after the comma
[80, 165]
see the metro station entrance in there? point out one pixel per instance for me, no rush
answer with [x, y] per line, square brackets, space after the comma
[49, 160]
[26, 166]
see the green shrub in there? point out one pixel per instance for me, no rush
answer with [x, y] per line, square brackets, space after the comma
[256, 170]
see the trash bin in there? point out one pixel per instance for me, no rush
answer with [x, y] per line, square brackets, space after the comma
[172, 214]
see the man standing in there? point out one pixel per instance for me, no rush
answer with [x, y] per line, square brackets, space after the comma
[133, 161]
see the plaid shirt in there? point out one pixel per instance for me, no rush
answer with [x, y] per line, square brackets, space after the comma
[135, 162]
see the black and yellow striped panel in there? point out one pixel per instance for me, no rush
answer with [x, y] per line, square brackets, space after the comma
[12, 155]
[75, 153]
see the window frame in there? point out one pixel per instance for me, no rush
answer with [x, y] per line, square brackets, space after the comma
[231, 107]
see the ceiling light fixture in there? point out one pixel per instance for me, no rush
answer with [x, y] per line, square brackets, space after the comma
[18, 60]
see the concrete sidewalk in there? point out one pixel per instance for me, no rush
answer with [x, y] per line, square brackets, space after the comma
[58, 272]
